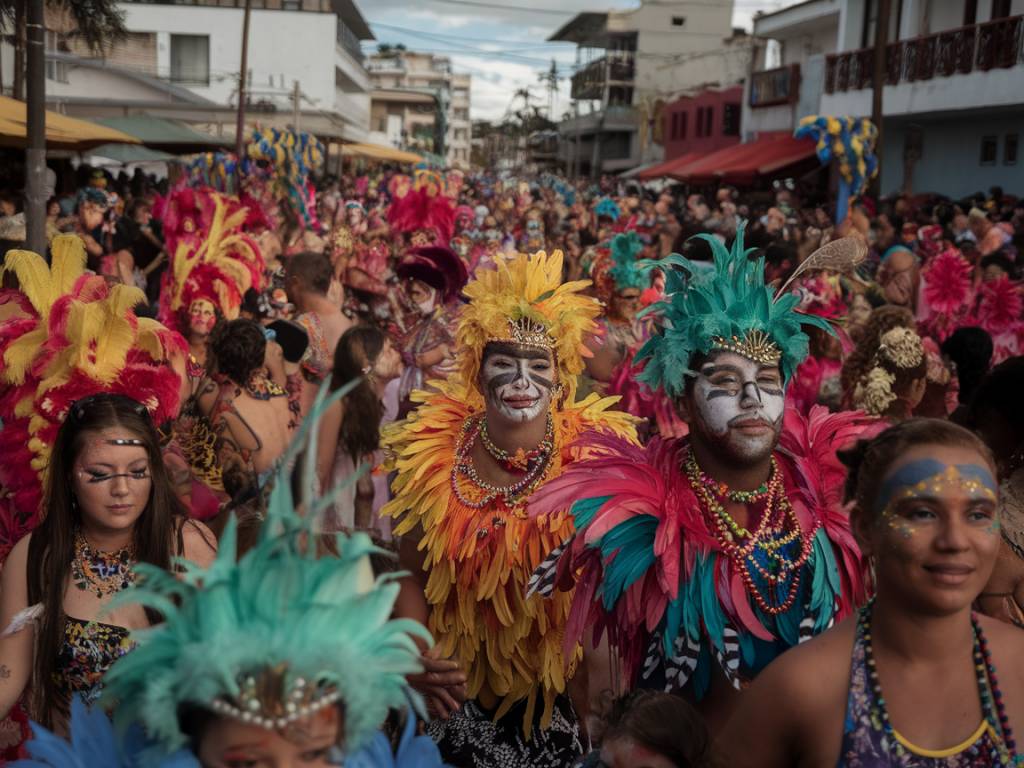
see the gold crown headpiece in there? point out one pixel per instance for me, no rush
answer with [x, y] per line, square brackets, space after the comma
[528, 332]
[756, 345]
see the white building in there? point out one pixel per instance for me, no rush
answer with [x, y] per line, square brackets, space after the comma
[410, 91]
[953, 102]
[183, 60]
[630, 63]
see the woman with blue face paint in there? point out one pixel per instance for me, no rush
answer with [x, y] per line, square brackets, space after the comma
[916, 679]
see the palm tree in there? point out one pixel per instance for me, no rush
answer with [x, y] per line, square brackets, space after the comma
[98, 24]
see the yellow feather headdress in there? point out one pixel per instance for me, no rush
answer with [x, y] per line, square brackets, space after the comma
[524, 300]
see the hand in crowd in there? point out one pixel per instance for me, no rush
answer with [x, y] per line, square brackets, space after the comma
[442, 683]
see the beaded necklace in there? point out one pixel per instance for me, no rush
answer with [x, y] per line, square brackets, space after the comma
[510, 494]
[992, 707]
[102, 573]
[521, 460]
[777, 528]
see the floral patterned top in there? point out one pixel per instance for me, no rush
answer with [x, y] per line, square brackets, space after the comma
[87, 652]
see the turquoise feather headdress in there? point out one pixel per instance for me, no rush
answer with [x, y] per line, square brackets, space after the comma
[273, 637]
[626, 271]
[733, 310]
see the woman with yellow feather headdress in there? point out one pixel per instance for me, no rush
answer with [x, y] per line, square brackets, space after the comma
[467, 460]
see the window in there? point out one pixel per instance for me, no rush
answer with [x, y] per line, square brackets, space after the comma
[684, 118]
[731, 120]
[1010, 149]
[291, 5]
[190, 59]
[698, 129]
[678, 21]
[675, 126]
[989, 149]
[709, 118]
[970, 12]
[55, 70]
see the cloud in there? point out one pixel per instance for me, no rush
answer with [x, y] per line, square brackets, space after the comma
[503, 49]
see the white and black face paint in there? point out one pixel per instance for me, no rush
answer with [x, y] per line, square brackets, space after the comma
[738, 405]
[518, 382]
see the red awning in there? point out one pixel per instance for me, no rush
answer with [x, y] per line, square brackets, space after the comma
[666, 168]
[773, 156]
[743, 162]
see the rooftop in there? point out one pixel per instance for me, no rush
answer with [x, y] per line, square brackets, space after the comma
[583, 28]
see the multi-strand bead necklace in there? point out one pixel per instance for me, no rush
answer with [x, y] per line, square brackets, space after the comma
[536, 465]
[777, 528]
[985, 673]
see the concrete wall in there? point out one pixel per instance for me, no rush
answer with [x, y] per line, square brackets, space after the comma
[87, 80]
[284, 46]
[951, 153]
[797, 49]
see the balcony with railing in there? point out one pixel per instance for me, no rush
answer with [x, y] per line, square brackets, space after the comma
[772, 87]
[614, 69]
[994, 45]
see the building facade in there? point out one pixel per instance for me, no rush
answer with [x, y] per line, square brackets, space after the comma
[703, 123]
[630, 64]
[953, 94]
[182, 60]
[419, 104]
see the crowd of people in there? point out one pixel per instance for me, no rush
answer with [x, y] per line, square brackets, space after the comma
[473, 470]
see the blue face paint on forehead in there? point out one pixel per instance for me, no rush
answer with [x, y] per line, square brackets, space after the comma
[974, 478]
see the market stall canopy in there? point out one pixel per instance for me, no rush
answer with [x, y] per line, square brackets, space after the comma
[660, 170]
[378, 152]
[167, 135]
[742, 163]
[62, 132]
[123, 154]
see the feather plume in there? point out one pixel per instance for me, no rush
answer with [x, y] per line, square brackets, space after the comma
[842, 256]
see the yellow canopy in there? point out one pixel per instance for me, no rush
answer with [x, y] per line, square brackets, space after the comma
[62, 132]
[379, 152]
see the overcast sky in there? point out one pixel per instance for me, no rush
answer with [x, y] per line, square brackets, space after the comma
[504, 49]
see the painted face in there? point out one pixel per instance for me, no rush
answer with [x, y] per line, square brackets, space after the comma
[626, 303]
[737, 407]
[112, 480]
[860, 310]
[201, 317]
[626, 753]
[935, 532]
[518, 382]
[422, 295]
[355, 216]
[308, 743]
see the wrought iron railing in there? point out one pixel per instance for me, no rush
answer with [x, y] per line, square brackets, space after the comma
[616, 67]
[995, 44]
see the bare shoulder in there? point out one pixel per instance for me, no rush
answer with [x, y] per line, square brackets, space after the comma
[813, 676]
[199, 545]
[1006, 644]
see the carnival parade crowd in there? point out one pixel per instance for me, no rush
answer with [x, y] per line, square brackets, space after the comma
[421, 468]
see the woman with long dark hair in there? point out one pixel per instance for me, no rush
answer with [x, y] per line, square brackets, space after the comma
[108, 505]
[350, 428]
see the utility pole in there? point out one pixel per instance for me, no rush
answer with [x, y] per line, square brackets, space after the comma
[296, 106]
[242, 75]
[35, 152]
[878, 85]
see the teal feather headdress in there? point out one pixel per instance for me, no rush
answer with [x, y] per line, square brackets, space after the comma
[733, 310]
[625, 270]
[278, 634]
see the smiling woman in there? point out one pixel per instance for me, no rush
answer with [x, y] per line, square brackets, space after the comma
[925, 509]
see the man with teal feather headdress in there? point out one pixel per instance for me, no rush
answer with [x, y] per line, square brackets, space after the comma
[706, 557]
